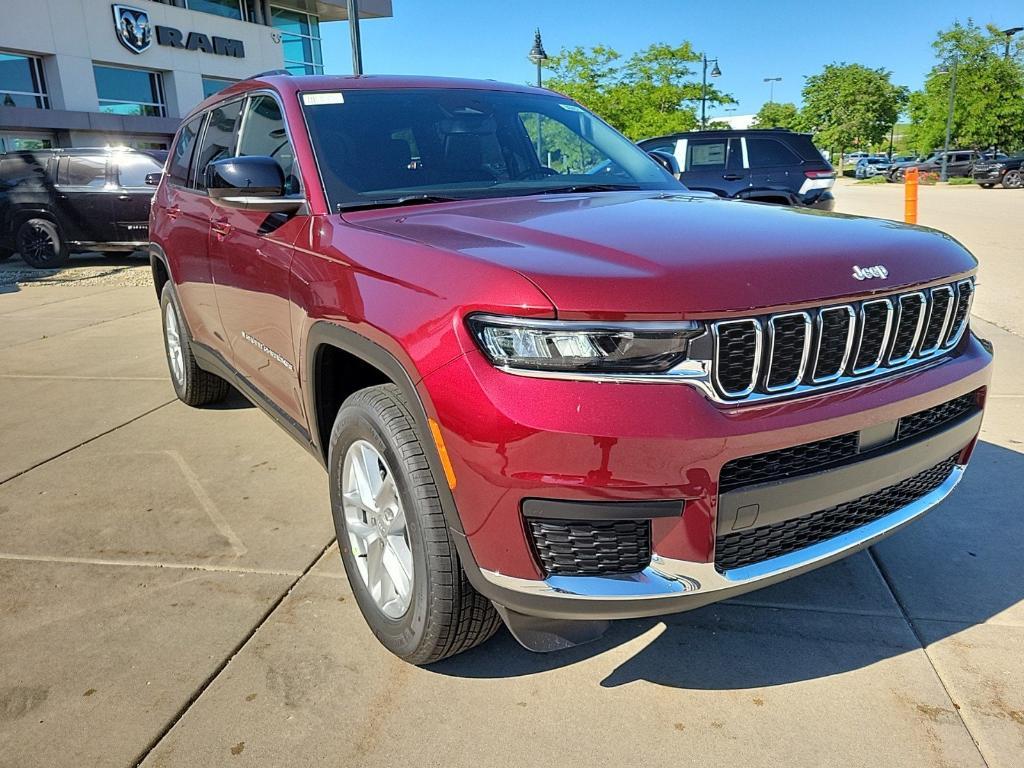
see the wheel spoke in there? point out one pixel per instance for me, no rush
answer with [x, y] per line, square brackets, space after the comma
[399, 572]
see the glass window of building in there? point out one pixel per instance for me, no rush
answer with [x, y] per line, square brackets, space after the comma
[213, 84]
[300, 38]
[231, 9]
[129, 91]
[21, 82]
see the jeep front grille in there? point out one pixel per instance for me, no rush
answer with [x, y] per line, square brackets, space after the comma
[800, 351]
[591, 547]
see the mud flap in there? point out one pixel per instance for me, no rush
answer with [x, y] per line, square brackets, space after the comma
[542, 635]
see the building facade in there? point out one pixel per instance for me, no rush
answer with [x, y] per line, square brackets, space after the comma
[77, 73]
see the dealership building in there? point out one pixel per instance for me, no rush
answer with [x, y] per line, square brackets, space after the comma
[86, 73]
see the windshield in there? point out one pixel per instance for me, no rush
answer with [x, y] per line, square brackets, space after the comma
[375, 146]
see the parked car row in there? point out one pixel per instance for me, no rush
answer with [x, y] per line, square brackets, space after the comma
[959, 163]
[56, 202]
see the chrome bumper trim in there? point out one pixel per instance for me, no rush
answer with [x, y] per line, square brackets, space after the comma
[666, 578]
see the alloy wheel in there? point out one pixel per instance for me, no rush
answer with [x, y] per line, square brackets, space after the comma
[37, 243]
[377, 530]
[175, 355]
[1013, 180]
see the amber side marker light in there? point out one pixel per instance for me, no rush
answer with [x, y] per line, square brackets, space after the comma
[446, 462]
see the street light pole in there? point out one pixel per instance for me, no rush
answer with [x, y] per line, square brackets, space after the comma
[715, 72]
[771, 91]
[538, 56]
[353, 29]
[949, 118]
[1010, 33]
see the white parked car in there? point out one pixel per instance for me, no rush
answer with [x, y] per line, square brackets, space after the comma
[871, 166]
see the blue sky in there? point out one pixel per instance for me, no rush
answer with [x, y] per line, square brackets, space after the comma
[753, 39]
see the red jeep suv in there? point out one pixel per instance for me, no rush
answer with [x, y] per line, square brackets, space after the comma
[550, 386]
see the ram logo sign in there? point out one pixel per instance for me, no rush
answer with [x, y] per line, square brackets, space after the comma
[132, 27]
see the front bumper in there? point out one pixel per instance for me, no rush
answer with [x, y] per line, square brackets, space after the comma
[512, 439]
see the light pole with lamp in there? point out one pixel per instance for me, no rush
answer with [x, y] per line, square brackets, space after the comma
[951, 68]
[1009, 34]
[771, 91]
[353, 29]
[538, 56]
[715, 72]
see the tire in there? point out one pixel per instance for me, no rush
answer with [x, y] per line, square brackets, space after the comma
[1013, 180]
[429, 611]
[986, 186]
[41, 245]
[192, 384]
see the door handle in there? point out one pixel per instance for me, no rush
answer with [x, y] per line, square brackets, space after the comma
[732, 177]
[124, 197]
[173, 212]
[221, 228]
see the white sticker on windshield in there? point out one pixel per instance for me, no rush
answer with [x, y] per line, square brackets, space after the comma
[570, 108]
[319, 99]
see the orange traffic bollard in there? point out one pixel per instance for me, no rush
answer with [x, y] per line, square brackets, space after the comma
[910, 196]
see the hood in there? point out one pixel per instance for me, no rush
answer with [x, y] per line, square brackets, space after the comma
[632, 254]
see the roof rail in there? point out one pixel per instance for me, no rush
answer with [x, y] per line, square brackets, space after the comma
[270, 72]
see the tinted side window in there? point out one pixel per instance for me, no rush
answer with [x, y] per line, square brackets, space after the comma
[764, 152]
[219, 138]
[735, 160]
[24, 170]
[85, 172]
[133, 169]
[181, 155]
[706, 155]
[263, 133]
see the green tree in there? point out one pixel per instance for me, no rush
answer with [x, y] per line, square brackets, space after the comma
[776, 115]
[654, 92]
[989, 102]
[850, 105]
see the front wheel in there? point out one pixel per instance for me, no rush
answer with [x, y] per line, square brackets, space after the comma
[1013, 180]
[41, 244]
[986, 186]
[395, 545]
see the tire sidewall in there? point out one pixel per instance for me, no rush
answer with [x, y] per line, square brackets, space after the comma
[60, 255]
[403, 636]
[169, 298]
[1016, 176]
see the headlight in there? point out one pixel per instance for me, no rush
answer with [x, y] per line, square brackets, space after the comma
[583, 347]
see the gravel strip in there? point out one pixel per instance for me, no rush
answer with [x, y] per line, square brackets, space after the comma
[118, 271]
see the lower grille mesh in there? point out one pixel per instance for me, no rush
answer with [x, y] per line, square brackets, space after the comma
[736, 550]
[591, 547]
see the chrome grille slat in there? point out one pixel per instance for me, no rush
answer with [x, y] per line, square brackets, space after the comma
[779, 362]
[844, 355]
[800, 352]
[870, 327]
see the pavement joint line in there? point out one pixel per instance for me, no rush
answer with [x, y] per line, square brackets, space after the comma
[815, 609]
[104, 433]
[990, 622]
[924, 648]
[1006, 328]
[78, 328]
[212, 568]
[147, 751]
[60, 377]
[58, 301]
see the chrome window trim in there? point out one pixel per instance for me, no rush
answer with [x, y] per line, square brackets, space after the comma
[851, 332]
[917, 331]
[758, 353]
[804, 355]
[883, 347]
[955, 336]
[950, 308]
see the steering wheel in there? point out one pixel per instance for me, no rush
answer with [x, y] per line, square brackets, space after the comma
[541, 171]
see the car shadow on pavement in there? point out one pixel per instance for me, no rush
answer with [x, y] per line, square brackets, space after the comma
[956, 568]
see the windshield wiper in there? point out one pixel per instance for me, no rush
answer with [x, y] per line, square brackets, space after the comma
[571, 188]
[389, 202]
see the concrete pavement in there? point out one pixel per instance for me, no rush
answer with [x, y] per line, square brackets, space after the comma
[170, 594]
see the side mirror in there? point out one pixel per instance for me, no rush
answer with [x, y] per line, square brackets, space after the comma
[666, 160]
[250, 183]
[153, 179]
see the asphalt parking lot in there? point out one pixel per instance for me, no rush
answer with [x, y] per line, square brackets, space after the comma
[171, 594]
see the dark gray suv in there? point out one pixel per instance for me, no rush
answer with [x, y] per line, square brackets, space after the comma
[768, 165]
